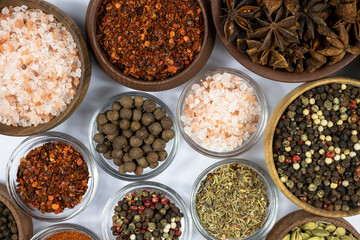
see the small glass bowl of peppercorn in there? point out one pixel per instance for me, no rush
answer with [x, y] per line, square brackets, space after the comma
[234, 199]
[51, 176]
[66, 231]
[312, 147]
[222, 113]
[133, 136]
[146, 210]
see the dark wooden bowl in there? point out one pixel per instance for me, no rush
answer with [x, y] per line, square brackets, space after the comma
[297, 218]
[160, 85]
[84, 55]
[268, 145]
[267, 72]
[24, 223]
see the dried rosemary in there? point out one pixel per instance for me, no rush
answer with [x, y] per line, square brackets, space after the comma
[232, 202]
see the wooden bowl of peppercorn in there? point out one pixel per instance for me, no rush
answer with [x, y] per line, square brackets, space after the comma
[84, 57]
[323, 175]
[150, 47]
[300, 217]
[249, 22]
[24, 223]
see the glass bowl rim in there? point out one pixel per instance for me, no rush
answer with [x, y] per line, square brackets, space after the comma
[254, 138]
[271, 189]
[49, 137]
[147, 185]
[110, 170]
[67, 227]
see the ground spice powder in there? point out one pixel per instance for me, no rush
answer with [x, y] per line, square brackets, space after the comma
[71, 235]
[53, 177]
[150, 39]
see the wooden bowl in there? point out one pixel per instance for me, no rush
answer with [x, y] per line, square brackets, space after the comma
[297, 218]
[268, 145]
[24, 223]
[84, 56]
[267, 72]
[160, 85]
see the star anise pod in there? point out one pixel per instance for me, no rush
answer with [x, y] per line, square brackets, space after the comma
[273, 5]
[277, 32]
[316, 59]
[237, 16]
[312, 13]
[355, 26]
[339, 47]
[346, 10]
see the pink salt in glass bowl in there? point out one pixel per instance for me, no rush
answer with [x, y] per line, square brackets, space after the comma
[255, 136]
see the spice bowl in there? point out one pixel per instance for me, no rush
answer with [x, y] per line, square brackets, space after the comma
[108, 165]
[272, 210]
[84, 57]
[36, 141]
[300, 217]
[280, 114]
[217, 9]
[24, 222]
[64, 227]
[170, 194]
[262, 116]
[142, 84]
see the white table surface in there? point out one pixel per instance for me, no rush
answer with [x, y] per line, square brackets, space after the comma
[186, 166]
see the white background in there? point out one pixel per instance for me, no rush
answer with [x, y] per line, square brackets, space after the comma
[188, 164]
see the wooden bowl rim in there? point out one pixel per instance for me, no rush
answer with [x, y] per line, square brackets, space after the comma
[24, 223]
[85, 60]
[268, 72]
[120, 77]
[268, 144]
[299, 217]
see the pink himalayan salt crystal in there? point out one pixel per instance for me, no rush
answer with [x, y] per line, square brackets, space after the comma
[221, 112]
[40, 67]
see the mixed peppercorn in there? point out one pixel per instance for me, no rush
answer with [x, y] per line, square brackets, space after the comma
[146, 214]
[53, 177]
[148, 39]
[317, 148]
[8, 226]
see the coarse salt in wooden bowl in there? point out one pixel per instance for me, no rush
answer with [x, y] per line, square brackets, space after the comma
[267, 72]
[159, 85]
[268, 144]
[300, 217]
[84, 57]
[24, 223]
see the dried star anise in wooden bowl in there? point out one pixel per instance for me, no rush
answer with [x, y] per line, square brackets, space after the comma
[290, 40]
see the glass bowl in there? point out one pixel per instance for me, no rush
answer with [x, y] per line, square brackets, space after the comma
[108, 212]
[65, 227]
[272, 194]
[36, 141]
[108, 166]
[245, 146]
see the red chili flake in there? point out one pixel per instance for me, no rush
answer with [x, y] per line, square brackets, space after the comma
[295, 158]
[150, 39]
[52, 177]
[330, 154]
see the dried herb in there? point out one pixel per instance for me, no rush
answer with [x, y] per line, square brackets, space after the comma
[232, 202]
[52, 177]
[150, 40]
[293, 35]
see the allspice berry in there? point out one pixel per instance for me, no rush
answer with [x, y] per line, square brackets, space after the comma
[117, 153]
[142, 133]
[117, 161]
[130, 166]
[127, 133]
[167, 134]
[112, 115]
[125, 113]
[162, 155]
[154, 165]
[121, 169]
[167, 123]
[138, 101]
[126, 101]
[110, 129]
[107, 155]
[134, 126]
[150, 139]
[136, 115]
[147, 148]
[116, 106]
[99, 138]
[101, 119]
[152, 157]
[120, 142]
[124, 124]
[111, 137]
[101, 148]
[155, 128]
[149, 105]
[147, 119]
[159, 113]
[127, 158]
[139, 170]
[159, 144]
[142, 162]
[136, 153]
[135, 141]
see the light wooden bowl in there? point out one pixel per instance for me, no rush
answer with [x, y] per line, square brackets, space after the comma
[84, 55]
[24, 223]
[268, 144]
[268, 72]
[160, 85]
[300, 217]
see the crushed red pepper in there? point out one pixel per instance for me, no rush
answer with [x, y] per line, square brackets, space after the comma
[150, 39]
[53, 177]
[70, 235]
